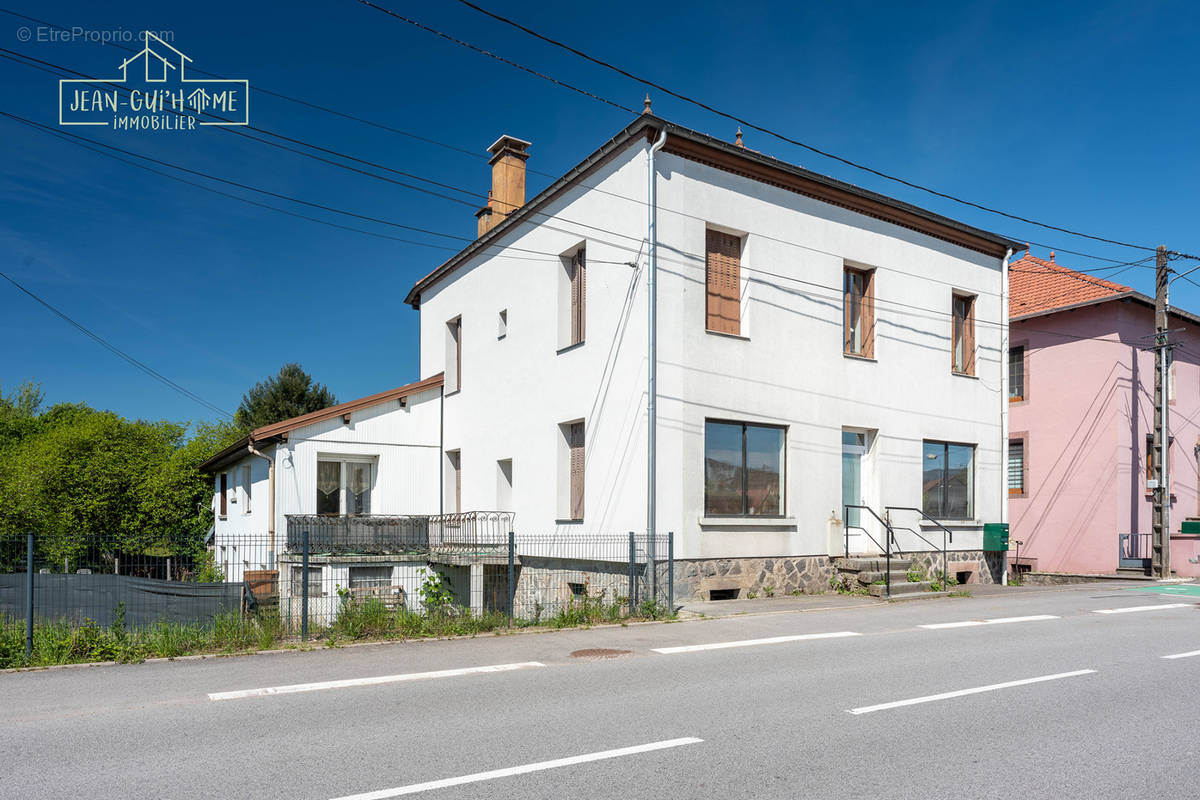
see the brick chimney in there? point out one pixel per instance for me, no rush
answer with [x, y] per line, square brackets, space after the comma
[508, 182]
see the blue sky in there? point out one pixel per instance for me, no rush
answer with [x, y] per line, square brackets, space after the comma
[1079, 114]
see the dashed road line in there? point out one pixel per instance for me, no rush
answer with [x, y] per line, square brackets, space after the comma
[1130, 609]
[383, 794]
[693, 648]
[1184, 655]
[371, 681]
[963, 692]
[1001, 621]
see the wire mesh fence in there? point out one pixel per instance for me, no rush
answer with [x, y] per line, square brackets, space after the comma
[344, 577]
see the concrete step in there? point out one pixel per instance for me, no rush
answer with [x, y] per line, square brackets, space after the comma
[898, 576]
[871, 564]
[877, 589]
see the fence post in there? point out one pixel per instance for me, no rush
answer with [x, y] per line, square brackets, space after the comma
[304, 586]
[632, 575]
[28, 598]
[512, 575]
[670, 572]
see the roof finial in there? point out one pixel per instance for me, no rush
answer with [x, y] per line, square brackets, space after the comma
[646, 105]
[1051, 256]
[738, 141]
[1027, 249]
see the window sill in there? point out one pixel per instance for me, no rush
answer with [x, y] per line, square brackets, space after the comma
[501, 336]
[747, 522]
[860, 357]
[952, 523]
[451, 394]
[724, 335]
[568, 522]
[570, 347]
[964, 375]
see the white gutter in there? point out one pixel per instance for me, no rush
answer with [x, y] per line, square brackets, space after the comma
[652, 362]
[270, 503]
[1004, 340]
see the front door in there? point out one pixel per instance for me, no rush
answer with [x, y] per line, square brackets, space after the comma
[854, 446]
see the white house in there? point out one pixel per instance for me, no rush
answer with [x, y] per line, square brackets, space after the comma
[819, 345]
[354, 472]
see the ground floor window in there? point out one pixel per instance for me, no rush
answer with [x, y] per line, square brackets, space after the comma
[743, 469]
[344, 486]
[1016, 466]
[948, 480]
[314, 582]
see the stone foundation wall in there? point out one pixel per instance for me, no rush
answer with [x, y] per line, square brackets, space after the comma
[984, 567]
[696, 579]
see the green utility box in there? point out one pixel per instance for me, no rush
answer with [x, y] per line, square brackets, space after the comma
[995, 537]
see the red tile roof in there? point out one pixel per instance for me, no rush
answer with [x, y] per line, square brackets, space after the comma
[1036, 286]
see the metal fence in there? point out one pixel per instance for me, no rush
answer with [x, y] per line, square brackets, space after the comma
[351, 576]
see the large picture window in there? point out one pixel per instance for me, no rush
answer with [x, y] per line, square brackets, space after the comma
[344, 487]
[948, 480]
[743, 469]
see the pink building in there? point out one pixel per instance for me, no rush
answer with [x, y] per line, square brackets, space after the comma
[1081, 416]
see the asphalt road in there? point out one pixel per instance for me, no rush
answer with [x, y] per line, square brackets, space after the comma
[859, 702]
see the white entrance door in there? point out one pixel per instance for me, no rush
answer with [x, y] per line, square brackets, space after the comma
[854, 447]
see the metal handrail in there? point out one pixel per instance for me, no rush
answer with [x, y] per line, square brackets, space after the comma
[947, 535]
[887, 550]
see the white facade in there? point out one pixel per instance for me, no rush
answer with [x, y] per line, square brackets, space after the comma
[398, 443]
[520, 384]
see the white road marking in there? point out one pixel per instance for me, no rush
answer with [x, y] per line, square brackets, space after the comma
[962, 692]
[373, 681]
[692, 648]
[1128, 609]
[414, 788]
[1185, 655]
[1000, 621]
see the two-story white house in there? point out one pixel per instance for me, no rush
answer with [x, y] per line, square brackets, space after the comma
[350, 476]
[819, 346]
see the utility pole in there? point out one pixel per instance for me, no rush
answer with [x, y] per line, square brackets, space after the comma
[1160, 562]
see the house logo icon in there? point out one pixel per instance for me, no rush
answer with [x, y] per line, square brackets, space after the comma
[154, 93]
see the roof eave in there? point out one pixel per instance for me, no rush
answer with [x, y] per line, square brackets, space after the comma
[629, 134]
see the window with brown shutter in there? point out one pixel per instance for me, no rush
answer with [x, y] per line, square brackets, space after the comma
[224, 493]
[962, 347]
[858, 321]
[723, 278]
[575, 441]
[578, 296]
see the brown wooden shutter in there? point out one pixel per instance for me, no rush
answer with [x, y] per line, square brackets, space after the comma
[458, 482]
[224, 493]
[868, 314]
[458, 353]
[577, 463]
[723, 294]
[578, 297]
[969, 338]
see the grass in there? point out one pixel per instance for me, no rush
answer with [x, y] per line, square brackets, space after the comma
[367, 619]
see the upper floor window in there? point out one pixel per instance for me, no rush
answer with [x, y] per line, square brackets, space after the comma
[743, 469]
[344, 486]
[948, 480]
[572, 298]
[453, 376]
[723, 279]
[223, 499]
[858, 325]
[1016, 373]
[963, 336]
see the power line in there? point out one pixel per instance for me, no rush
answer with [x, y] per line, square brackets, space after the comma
[112, 348]
[780, 136]
[10, 54]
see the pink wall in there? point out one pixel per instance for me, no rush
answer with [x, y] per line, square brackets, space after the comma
[1089, 409]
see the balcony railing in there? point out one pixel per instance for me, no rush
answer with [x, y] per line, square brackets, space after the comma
[470, 530]
[364, 533]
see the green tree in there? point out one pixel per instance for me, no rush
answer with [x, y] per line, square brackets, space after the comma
[288, 394]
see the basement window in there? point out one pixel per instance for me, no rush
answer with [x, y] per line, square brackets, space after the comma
[578, 590]
[722, 594]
